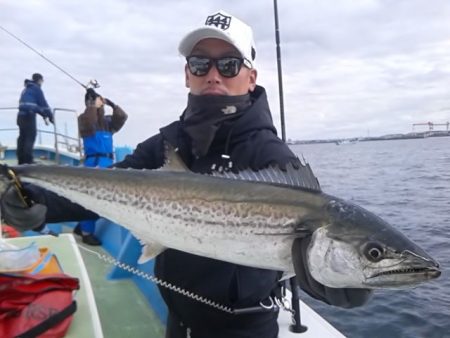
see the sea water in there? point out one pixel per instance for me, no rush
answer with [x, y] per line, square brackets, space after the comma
[407, 183]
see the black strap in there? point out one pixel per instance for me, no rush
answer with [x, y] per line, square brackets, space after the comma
[50, 322]
[107, 155]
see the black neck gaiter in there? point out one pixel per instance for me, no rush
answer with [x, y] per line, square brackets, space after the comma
[206, 113]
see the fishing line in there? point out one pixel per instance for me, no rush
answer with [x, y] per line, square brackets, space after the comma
[43, 56]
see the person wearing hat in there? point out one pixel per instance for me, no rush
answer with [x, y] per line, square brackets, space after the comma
[226, 124]
[97, 129]
[31, 102]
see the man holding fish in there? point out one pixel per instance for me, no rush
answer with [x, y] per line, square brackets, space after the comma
[227, 129]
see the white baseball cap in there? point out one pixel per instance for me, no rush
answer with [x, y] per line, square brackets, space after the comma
[223, 26]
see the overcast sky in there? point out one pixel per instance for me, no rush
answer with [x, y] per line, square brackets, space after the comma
[350, 67]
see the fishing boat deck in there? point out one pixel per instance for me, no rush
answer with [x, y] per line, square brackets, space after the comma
[122, 309]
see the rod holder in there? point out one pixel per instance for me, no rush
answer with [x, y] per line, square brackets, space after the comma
[296, 325]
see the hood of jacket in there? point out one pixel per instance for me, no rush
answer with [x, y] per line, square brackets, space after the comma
[256, 117]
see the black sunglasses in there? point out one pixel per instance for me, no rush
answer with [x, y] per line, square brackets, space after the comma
[227, 66]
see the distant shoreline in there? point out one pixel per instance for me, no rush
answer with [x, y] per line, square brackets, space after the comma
[408, 136]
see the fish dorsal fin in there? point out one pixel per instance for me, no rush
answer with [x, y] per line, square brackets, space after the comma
[300, 176]
[172, 161]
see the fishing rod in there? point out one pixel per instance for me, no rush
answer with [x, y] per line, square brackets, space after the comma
[90, 84]
[296, 326]
[280, 76]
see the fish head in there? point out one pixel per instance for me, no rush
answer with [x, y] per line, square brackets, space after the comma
[358, 249]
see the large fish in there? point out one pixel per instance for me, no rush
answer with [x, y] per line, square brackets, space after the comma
[249, 218]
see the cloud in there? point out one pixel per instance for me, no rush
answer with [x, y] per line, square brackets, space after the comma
[349, 67]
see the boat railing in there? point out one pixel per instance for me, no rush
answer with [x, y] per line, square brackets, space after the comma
[71, 147]
[59, 140]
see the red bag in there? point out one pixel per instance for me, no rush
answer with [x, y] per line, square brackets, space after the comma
[36, 305]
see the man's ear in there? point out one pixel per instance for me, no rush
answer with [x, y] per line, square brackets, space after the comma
[186, 76]
[252, 79]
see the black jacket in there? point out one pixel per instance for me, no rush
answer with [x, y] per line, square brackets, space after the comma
[249, 141]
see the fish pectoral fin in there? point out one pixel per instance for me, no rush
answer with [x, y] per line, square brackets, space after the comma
[150, 251]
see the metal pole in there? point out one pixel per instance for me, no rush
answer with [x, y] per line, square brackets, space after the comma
[56, 137]
[280, 77]
[296, 326]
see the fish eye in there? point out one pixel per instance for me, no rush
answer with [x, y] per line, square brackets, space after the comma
[374, 252]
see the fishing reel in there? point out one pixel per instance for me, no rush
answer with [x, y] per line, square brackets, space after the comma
[92, 84]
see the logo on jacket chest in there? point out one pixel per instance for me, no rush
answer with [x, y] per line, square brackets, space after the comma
[228, 110]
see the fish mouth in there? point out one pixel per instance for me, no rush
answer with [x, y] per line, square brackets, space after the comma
[432, 272]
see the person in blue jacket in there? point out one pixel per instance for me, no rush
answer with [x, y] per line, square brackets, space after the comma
[226, 123]
[96, 130]
[32, 101]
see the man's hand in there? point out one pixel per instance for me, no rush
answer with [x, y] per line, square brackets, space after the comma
[51, 118]
[109, 103]
[20, 216]
[345, 297]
